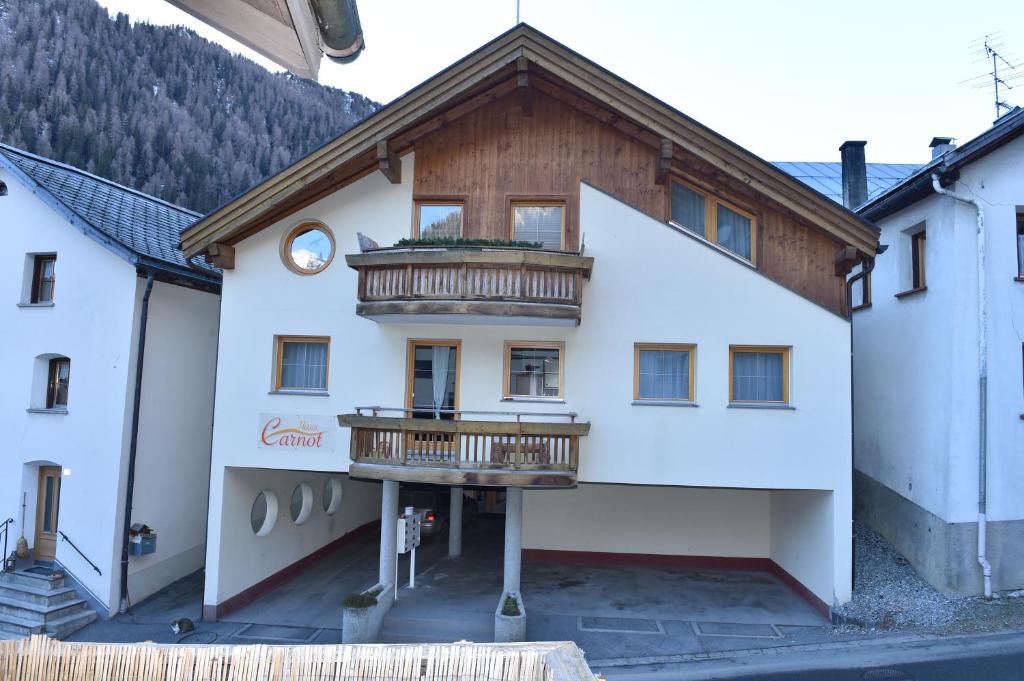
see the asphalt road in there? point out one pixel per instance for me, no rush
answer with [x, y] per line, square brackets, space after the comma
[1008, 667]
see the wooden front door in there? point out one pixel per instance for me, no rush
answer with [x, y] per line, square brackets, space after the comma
[47, 511]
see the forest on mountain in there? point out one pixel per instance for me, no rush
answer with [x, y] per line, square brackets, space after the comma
[153, 107]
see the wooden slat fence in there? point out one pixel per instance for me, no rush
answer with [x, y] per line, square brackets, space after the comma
[43, 659]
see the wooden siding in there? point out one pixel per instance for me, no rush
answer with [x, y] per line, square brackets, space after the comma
[495, 155]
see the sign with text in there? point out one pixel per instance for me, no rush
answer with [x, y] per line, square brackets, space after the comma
[297, 433]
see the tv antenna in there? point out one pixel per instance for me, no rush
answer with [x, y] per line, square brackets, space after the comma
[517, 12]
[1004, 74]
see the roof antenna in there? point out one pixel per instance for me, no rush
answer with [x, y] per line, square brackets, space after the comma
[991, 49]
[517, 12]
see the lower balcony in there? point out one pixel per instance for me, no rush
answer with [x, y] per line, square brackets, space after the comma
[455, 450]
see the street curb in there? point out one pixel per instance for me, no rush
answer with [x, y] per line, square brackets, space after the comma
[808, 657]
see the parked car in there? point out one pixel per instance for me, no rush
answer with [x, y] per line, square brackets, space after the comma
[434, 502]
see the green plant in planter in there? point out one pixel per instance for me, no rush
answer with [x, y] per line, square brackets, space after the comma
[453, 242]
[360, 600]
[510, 608]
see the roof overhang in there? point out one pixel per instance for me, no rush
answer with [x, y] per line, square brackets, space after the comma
[292, 33]
[482, 76]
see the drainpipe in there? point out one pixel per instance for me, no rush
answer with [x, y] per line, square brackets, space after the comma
[986, 567]
[866, 266]
[133, 446]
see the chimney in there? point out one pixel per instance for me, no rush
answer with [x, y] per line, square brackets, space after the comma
[855, 174]
[940, 145]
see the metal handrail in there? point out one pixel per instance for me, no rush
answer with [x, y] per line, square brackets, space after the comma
[4, 529]
[92, 564]
[571, 415]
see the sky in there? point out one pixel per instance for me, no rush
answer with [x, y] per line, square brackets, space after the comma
[788, 80]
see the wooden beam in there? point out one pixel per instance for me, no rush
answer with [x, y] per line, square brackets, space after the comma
[523, 85]
[389, 163]
[221, 255]
[664, 163]
[846, 259]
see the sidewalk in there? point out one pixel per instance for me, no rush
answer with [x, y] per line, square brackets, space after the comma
[879, 651]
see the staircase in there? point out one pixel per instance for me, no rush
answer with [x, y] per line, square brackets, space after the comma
[35, 601]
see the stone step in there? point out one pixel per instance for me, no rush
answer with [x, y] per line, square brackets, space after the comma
[467, 626]
[58, 628]
[22, 578]
[38, 612]
[31, 594]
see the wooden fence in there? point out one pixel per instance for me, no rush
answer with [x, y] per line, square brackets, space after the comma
[44, 659]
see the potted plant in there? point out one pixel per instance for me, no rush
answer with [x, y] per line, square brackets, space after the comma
[360, 619]
[510, 619]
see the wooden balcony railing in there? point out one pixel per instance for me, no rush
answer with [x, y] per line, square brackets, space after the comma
[499, 282]
[514, 453]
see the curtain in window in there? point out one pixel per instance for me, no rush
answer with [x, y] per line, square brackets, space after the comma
[664, 375]
[539, 223]
[734, 231]
[757, 376]
[1020, 254]
[688, 208]
[439, 374]
[304, 366]
[533, 372]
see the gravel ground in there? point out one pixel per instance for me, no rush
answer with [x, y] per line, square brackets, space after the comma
[890, 595]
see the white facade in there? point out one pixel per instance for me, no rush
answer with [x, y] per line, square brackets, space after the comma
[741, 482]
[916, 376]
[94, 321]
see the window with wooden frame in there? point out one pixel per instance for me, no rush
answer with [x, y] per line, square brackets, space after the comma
[438, 218]
[713, 219]
[43, 278]
[860, 291]
[759, 374]
[301, 363]
[1020, 244]
[540, 221]
[57, 383]
[534, 370]
[918, 241]
[663, 372]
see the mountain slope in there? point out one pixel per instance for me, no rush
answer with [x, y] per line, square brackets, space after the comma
[152, 107]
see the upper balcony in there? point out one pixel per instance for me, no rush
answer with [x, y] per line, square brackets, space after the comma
[457, 451]
[471, 286]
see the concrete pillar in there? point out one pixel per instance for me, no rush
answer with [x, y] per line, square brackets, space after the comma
[513, 538]
[455, 524]
[388, 532]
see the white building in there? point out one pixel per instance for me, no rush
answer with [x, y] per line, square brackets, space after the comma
[925, 444]
[681, 339]
[85, 259]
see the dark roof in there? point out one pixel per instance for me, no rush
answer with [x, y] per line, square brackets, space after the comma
[947, 166]
[827, 178]
[141, 228]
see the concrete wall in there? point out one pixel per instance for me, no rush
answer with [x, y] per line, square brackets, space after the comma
[175, 426]
[241, 559]
[674, 521]
[916, 372]
[803, 523]
[90, 322]
[650, 283]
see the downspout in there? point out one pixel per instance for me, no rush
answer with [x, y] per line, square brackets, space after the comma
[134, 444]
[866, 266]
[986, 567]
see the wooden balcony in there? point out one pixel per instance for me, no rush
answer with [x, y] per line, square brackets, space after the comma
[459, 451]
[466, 286]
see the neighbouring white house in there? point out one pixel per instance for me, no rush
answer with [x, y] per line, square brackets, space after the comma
[647, 354]
[939, 377]
[90, 268]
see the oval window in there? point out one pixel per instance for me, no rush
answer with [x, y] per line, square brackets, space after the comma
[263, 514]
[332, 495]
[302, 503]
[308, 248]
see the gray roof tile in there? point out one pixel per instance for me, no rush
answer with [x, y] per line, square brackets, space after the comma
[146, 225]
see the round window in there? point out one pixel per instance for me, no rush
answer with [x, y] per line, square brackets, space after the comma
[302, 503]
[332, 495]
[264, 513]
[308, 248]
